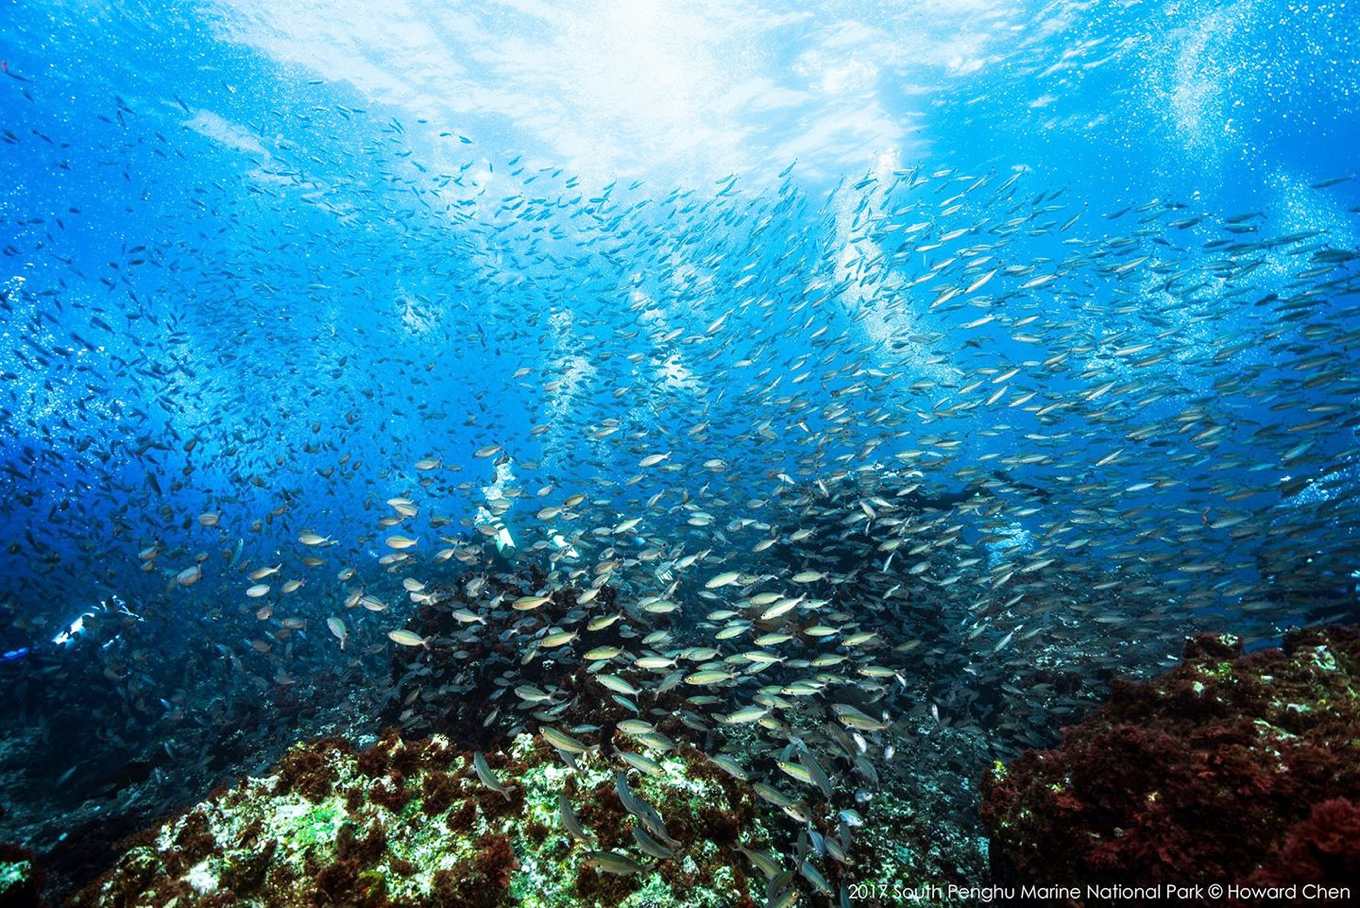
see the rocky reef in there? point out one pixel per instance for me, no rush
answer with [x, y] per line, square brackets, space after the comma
[411, 823]
[1230, 767]
[408, 822]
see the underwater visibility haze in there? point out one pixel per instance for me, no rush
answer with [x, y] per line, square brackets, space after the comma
[654, 454]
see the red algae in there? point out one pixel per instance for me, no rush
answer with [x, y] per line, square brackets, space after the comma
[403, 824]
[1228, 768]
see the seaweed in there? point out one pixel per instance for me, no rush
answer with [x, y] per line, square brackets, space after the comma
[1228, 767]
[422, 832]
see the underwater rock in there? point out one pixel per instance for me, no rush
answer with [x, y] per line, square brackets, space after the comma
[410, 823]
[1230, 767]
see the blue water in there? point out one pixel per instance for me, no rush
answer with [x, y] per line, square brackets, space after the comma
[259, 262]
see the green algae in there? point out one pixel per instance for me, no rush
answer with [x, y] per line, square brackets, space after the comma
[14, 873]
[1324, 660]
[315, 827]
[517, 852]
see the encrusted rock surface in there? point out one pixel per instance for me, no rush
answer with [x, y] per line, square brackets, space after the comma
[1229, 768]
[411, 824]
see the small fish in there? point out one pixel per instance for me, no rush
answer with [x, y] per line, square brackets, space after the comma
[651, 846]
[731, 767]
[745, 715]
[639, 808]
[599, 653]
[404, 637]
[853, 718]
[563, 741]
[726, 578]
[641, 763]
[532, 694]
[613, 862]
[795, 771]
[708, 677]
[557, 638]
[338, 630]
[765, 862]
[570, 822]
[488, 777]
[618, 685]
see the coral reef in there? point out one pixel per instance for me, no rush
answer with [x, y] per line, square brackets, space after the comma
[408, 823]
[1230, 767]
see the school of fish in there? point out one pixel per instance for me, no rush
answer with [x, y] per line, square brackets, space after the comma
[804, 471]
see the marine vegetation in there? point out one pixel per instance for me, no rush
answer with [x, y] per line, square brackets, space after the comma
[410, 823]
[1230, 767]
[20, 877]
[415, 822]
